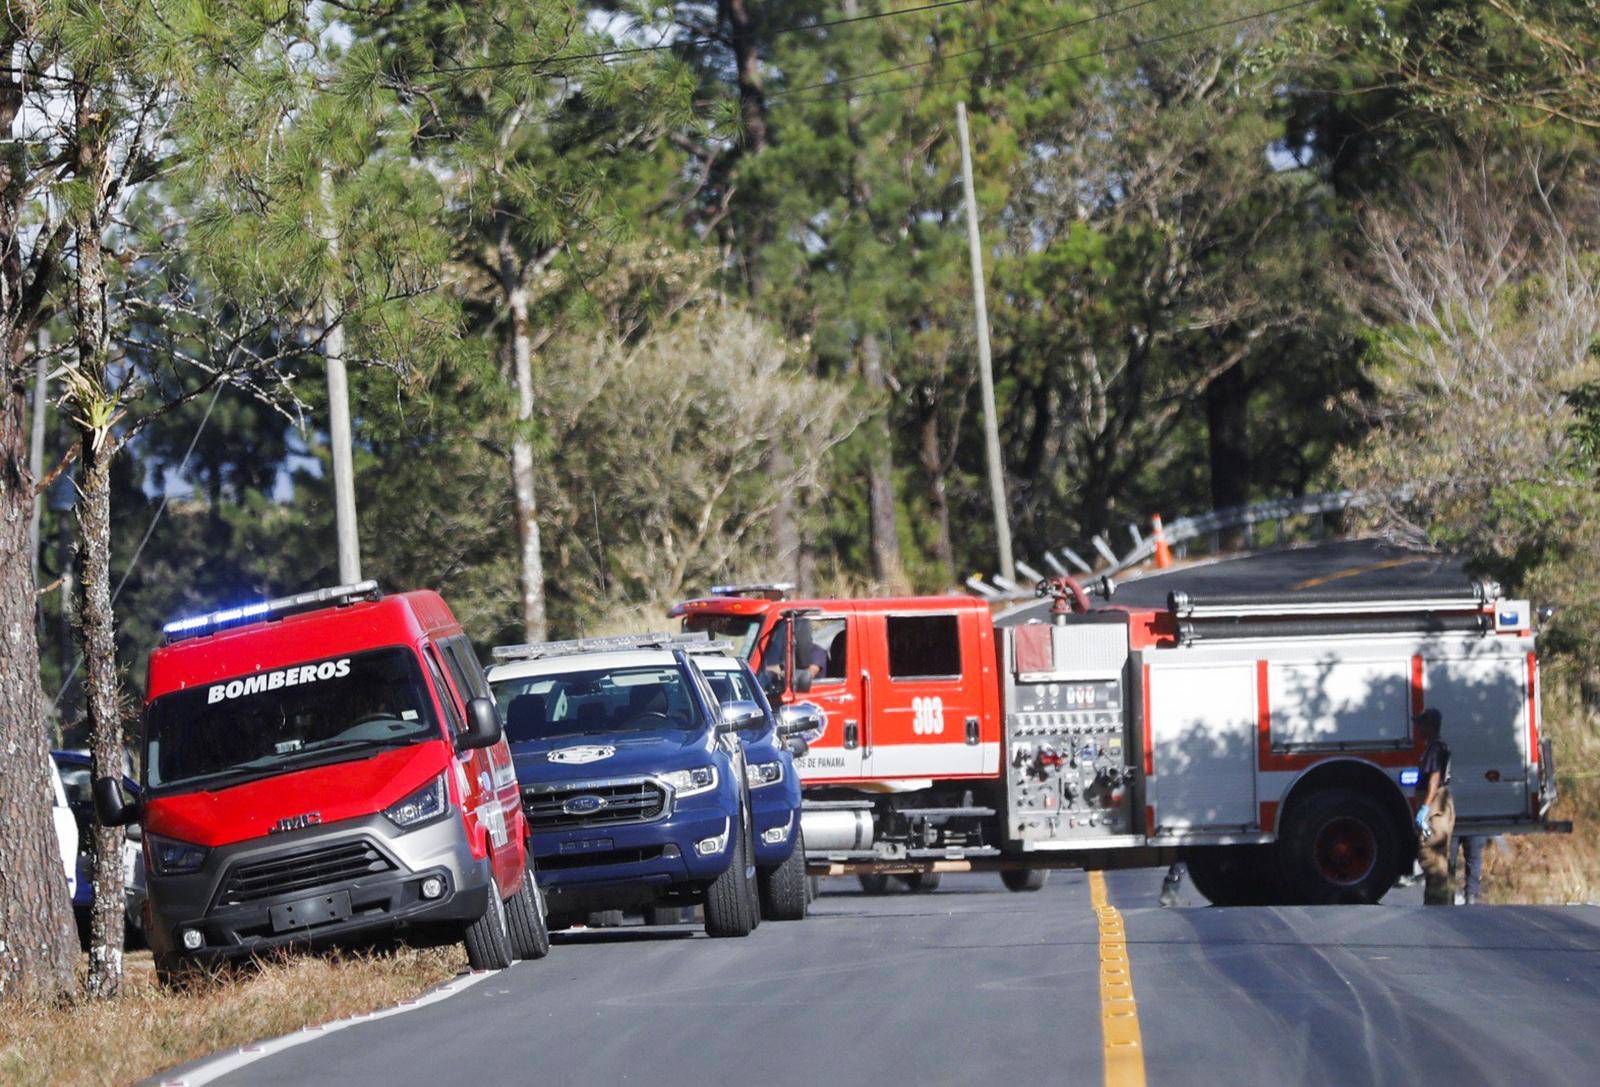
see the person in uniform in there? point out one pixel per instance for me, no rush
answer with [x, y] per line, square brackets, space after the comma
[1436, 812]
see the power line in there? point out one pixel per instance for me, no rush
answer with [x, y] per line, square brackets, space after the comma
[702, 39]
[1046, 32]
[1106, 51]
[148, 532]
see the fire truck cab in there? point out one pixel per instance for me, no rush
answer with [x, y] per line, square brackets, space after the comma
[322, 768]
[1268, 740]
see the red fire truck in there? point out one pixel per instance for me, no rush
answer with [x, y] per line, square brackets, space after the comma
[325, 767]
[1267, 741]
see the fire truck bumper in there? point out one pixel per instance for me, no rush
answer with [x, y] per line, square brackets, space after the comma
[328, 884]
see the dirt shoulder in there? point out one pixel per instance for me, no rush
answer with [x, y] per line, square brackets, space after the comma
[148, 1030]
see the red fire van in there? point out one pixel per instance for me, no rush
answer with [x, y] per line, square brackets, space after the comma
[325, 767]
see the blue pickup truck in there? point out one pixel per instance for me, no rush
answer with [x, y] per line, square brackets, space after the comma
[774, 786]
[633, 779]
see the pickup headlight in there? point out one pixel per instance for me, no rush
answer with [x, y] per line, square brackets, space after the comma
[170, 857]
[758, 774]
[423, 806]
[702, 779]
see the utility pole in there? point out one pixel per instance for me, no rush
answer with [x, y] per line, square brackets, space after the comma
[344, 484]
[41, 397]
[980, 303]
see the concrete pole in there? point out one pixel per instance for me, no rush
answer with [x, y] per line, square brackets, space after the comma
[344, 484]
[41, 398]
[980, 303]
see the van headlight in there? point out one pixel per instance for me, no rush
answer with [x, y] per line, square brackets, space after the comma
[702, 779]
[758, 774]
[423, 806]
[170, 857]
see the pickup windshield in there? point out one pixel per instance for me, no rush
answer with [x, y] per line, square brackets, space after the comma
[603, 700]
[285, 719]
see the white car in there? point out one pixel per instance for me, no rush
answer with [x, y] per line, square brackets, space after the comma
[66, 829]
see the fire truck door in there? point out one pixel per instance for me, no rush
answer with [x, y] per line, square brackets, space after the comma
[925, 718]
[1481, 690]
[836, 686]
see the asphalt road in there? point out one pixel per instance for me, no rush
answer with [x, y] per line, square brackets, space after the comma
[1325, 567]
[974, 984]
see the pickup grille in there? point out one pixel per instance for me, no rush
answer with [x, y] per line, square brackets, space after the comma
[304, 870]
[568, 806]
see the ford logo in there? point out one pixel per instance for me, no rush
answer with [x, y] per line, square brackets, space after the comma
[584, 805]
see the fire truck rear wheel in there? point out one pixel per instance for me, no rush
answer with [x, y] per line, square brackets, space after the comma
[1339, 846]
[733, 906]
[1235, 875]
[1025, 879]
[921, 882]
[783, 889]
[488, 939]
[530, 938]
[873, 883]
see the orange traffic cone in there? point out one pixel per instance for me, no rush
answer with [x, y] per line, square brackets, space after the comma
[1163, 552]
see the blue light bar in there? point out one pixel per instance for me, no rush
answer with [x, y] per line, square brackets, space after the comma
[1409, 777]
[195, 625]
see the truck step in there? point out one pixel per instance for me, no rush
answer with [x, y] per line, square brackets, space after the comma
[931, 813]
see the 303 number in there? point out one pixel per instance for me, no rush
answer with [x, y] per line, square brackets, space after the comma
[927, 716]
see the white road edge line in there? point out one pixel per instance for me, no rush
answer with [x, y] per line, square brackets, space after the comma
[209, 1069]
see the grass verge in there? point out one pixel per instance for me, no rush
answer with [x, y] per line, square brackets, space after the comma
[148, 1029]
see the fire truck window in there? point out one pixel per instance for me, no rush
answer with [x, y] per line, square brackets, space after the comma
[924, 646]
[829, 647]
[452, 715]
[776, 645]
[458, 672]
[460, 650]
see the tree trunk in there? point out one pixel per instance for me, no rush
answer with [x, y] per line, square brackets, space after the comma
[95, 405]
[534, 626]
[1228, 442]
[938, 500]
[735, 14]
[885, 540]
[38, 949]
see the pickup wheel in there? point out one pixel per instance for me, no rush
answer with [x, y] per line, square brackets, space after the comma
[1025, 879]
[733, 907]
[784, 890]
[922, 882]
[1235, 875]
[1339, 846]
[488, 939]
[530, 938]
[177, 973]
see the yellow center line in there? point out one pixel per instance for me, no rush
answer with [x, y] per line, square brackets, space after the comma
[1119, 1015]
[1352, 571]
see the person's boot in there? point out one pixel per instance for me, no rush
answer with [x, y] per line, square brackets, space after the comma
[1169, 892]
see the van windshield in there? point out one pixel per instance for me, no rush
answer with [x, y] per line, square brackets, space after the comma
[603, 700]
[285, 719]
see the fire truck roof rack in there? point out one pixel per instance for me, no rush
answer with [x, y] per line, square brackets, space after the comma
[602, 644]
[1432, 623]
[195, 626]
[771, 590]
[1358, 602]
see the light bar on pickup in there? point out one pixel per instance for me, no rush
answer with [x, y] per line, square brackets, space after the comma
[196, 625]
[603, 644]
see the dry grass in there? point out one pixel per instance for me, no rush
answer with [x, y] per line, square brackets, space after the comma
[1565, 867]
[149, 1029]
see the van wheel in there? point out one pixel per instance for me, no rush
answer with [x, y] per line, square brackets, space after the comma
[1234, 875]
[1025, 879]
[784, 890]
[732, 904]
[488, 939]
[530, 938]
[873, 883]
[922, 882]
[1339, 846]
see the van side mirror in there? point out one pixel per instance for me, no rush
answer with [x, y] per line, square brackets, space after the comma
[742, 717]
[111, 807]
[483, 725]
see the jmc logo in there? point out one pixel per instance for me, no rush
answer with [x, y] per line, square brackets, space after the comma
[927, 716]
[296, 822]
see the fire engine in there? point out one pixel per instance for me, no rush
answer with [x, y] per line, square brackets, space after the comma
[1268, 741]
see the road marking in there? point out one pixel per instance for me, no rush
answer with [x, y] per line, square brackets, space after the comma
[208, 1069]
[1353, 571]
[1119, 1015]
